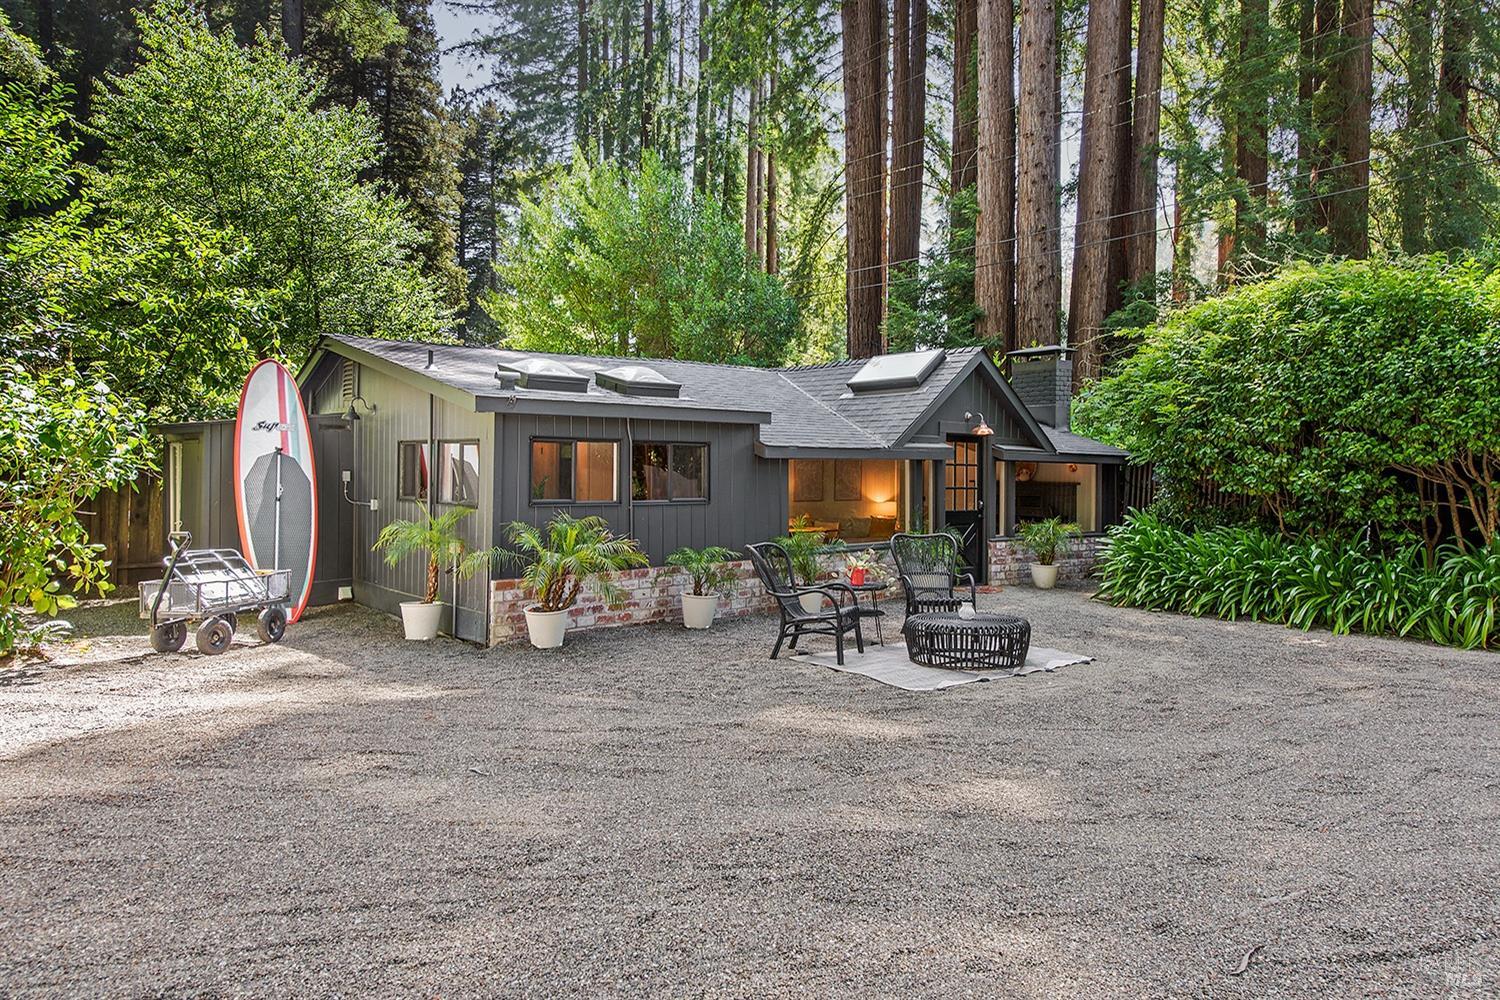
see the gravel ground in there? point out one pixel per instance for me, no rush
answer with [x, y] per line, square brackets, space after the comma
[650, 811]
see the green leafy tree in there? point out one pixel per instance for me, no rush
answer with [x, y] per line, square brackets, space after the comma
[233, 139]
[62, 440]
[626, 264]
[1327, 398]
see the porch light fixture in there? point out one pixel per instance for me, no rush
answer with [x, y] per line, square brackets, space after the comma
[352, 414]
[981, 429]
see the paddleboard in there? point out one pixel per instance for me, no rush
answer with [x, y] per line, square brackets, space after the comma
[276, 494]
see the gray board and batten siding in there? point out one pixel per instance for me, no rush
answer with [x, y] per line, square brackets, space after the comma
[403, 412]
[747, 496]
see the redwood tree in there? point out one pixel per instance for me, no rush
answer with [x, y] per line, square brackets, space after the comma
[1038, 271]
[994, 250]
[866, 45]
[1098, 163]
[1145, 134]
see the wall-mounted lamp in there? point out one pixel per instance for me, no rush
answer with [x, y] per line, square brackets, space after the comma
[981, 429]
[352, 414]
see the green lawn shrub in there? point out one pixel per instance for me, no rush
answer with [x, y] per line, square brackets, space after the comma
[1236, 572]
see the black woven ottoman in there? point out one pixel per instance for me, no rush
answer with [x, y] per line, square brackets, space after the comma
[984, 642]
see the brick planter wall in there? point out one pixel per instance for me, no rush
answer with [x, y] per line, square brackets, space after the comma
[1010, 563]
[652, 594]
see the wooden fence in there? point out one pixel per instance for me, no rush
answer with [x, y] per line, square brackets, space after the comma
[130, 526]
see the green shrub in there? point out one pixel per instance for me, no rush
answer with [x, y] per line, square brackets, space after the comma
[63, 438]
[610, 261]
[1237, 572]
[1325, 399]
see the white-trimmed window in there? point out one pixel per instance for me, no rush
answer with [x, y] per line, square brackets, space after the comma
[458, 473]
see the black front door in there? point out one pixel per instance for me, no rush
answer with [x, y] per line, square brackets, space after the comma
[964, 503]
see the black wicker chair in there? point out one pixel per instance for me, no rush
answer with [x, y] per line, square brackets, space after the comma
[835, 618]
[926, 564]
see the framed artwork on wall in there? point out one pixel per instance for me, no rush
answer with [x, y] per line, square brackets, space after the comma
[807, 481]
[848, 481]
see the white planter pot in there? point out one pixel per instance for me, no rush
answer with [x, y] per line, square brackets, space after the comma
[546, 628]
[421, 619]
[1043, 577]
[811, 603]
[698, 610]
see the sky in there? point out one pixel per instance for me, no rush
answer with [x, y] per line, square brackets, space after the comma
[454, 26]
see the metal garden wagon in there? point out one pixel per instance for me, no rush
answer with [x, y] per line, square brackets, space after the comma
[213, 587]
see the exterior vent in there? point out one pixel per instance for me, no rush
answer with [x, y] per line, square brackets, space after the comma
[542, 374]
[896, 371]
[638, 380]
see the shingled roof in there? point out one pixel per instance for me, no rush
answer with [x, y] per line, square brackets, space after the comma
[804, 407]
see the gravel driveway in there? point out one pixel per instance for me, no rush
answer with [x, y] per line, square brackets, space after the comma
[653, 812]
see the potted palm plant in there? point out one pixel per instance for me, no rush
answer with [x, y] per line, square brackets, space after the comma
[437, 537]
[559, 559]
[709, 572]
[1046, 539]
[803, 548]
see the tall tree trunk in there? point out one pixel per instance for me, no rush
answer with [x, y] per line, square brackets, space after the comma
[1307, 88]
[1349, 232]
[1251, 126]
[1145, 134]
[606, 124]
[1421, 98]
[701, 150]
[994, 242]
[752, 175]
[1120, 126]
[865, 38]
[582, 136]
[773, 249]
[908, 131]
[1038, 276]
[648, 75]
[1452, 221]
[292, 26]
[1097, 163]
[1322, 175]
[963, 166]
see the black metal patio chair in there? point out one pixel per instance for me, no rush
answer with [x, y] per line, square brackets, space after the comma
[834, 618]
[926, 565]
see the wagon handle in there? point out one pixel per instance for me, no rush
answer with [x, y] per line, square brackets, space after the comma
[179, 540]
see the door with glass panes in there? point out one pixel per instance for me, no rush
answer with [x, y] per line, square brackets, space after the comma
[964, 503]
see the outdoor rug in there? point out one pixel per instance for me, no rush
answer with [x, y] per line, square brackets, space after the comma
[889, 665]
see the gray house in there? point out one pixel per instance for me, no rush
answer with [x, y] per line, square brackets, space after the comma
[677, 453]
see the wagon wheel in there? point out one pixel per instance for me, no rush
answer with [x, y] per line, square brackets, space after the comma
[168, 638]
[271, 625]
[214, 636]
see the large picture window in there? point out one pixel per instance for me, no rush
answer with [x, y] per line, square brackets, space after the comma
[663, 472]
[858, 501]
[411, 470]
[573, 472]
[458, 473]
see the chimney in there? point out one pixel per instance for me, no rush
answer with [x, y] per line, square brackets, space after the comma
[1043, 378]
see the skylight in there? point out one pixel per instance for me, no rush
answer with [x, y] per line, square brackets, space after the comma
[543, 374]
[638, 380]
[896, 371]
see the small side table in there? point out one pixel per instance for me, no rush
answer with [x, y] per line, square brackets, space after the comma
[984, 642]
[874, 588]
